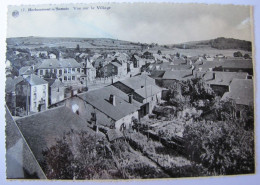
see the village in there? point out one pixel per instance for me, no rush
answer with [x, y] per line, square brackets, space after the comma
[137, 105]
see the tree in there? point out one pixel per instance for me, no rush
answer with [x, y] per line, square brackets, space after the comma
[247, 56]
[238, 54]
[224, 148]
[77, 48]
[79, 155]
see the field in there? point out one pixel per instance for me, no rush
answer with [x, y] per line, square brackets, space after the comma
[106, 44]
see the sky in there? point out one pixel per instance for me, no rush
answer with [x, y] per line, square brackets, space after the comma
[160, 23]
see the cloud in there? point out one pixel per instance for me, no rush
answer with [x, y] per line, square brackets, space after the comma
[145, 22]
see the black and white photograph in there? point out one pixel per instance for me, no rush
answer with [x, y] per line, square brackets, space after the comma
[129, 91]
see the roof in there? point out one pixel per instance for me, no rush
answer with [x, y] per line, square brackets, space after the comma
[208, 64]
[116, 64]
[157, 74]
[41, 130]
[225, 78]
[177, 75]
[114, 134]
[178, 61]
[52, 82]
[117, 92]
[244, 64]
[241, 91]
[138, 81]
[55, 63]
[26, 70]
[35, 80]
[11, 83]
[100, 100]
[20, 161]
[149, 91]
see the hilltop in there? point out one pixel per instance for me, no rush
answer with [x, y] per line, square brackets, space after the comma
[218, 43]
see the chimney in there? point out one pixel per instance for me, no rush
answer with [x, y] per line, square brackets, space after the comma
[130, 98]
[112, 99]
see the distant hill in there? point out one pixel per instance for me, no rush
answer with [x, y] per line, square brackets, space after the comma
[218, 43]
[92, 43]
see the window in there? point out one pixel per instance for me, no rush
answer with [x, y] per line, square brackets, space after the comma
[93, 116]
[41, 72]
[65, 78]
[69, 70]
[46, 71]
[69, 78]
[65, 71]
[55, 71]
[78, 69]
[60, 71]
[73, 77]
[73, 69]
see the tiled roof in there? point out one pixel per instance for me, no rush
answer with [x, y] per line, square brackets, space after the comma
[20, 161]
[35, 80]
[41, 130]
[241, 91]
[55, 63]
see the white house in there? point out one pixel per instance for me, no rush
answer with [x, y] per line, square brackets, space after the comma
[32, 94]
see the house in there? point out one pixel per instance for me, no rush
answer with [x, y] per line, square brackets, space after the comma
[102, 107]
[144, 90]
[56, 90]
[115, 68]
[148, 55]
[52, 55]
[20, 161]
[68, 71]
[221, 80]
[241, 93]
[32, 94]
[88, 70]
[43, 129]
